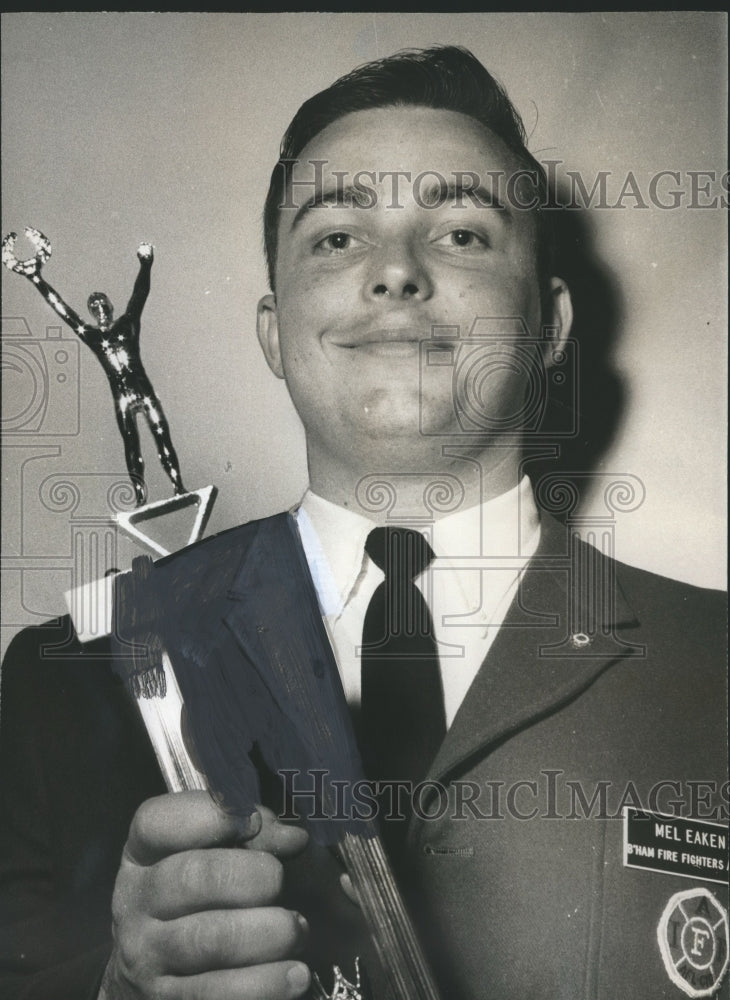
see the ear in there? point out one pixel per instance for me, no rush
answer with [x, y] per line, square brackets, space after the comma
[267, 329]
[560, 318]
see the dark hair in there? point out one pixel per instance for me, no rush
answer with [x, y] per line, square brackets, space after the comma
[447, 77]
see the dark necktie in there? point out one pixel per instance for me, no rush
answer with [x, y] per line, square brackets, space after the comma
[402, 712]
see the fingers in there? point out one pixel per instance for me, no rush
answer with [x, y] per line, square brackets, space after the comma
[184, 821]
[349, 889]
[218, 878]
[277, 981]
[280, 839]
[229, 939]
[194, 915]
[190, 875]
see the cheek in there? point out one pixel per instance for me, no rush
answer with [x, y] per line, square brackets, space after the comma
[490, 391]
[300, 345]
[296, 355]
[307, 302]
[489, 297]
[519, 296]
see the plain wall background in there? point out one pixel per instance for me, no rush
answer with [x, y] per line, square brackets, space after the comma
[129, 126]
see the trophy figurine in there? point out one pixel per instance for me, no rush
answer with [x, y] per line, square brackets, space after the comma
[115, 343]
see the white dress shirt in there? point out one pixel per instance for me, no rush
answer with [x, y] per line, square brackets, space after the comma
[479, 556]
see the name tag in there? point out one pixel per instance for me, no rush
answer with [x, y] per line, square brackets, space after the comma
[691, 848]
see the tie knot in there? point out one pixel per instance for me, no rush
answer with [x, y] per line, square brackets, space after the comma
[401, 553]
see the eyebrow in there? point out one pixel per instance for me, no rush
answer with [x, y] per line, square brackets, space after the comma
[434, 195]
[337, 197]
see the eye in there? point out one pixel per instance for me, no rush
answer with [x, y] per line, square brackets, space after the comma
[463, 239]
[335, 243]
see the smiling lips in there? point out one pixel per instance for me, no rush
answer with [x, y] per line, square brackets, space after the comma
[391, 341]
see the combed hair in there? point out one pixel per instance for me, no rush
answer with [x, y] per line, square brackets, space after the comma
[446, 77]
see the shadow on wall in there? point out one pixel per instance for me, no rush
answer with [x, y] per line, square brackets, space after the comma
[586, 393]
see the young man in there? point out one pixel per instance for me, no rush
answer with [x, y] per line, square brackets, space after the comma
[412, 298]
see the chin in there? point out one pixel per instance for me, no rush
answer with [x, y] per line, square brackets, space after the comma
[400, 411]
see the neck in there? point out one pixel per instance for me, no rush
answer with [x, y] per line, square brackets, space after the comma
[456, 478]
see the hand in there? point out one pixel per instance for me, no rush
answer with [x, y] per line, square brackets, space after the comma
[145, 251]
[194, 917]
[31, 267]
[8, 252]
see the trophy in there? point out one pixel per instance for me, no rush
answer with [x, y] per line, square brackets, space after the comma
[136, 623]
[116, 345]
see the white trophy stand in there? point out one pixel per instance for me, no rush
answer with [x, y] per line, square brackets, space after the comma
[91, 608]
[90, 604]
[204, 499]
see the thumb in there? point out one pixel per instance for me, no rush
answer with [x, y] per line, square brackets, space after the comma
[284, 840]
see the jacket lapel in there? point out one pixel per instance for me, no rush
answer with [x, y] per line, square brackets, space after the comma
[275, 619]
[563, 630]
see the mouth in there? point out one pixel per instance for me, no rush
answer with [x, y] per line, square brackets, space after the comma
[387, 341]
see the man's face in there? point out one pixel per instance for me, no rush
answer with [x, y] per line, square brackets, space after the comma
[359, 287]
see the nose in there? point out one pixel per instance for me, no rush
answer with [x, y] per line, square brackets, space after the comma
[398, 273]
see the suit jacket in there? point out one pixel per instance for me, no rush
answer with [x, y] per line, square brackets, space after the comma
[605, 687]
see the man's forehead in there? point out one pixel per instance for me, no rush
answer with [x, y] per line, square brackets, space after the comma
[405, 156]
[404, 137]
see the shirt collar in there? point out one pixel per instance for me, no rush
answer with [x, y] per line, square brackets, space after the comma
[334, 538]
[505, 526]
[334, 542]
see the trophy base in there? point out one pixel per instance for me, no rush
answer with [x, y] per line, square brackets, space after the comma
[90, 604]
[203, 499]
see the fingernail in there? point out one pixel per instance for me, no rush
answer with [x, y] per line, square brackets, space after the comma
[298, 978]
[302, 921]
[248, 826]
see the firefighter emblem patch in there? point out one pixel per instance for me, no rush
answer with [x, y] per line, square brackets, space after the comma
[693, 940]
